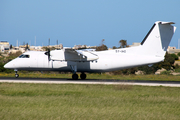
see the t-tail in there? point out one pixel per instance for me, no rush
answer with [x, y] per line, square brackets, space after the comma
[158, 38]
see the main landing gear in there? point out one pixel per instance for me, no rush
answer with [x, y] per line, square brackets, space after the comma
[75, 76]
[82, 76]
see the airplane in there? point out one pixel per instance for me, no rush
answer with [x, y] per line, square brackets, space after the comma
[151, 50]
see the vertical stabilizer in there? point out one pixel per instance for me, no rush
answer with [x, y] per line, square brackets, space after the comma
[158, 38]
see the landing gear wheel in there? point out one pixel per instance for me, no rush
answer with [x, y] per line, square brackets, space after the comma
[75, 77]
[16, 75]
[83, 76]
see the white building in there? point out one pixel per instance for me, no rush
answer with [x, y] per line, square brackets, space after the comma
[172, 50]
[4, 46]
[36, 48]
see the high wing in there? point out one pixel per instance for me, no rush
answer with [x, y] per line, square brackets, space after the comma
[74, 55]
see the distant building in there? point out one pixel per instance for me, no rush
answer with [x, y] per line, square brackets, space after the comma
[36, 48]
[91, 46]
[4, 46]
[172, 50]
[79, 46]
[16, 49]
[83, 46]
[60, 46]
[24, 46]
[135, 44]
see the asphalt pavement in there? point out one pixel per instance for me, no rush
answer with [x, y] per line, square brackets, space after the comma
[90, 81]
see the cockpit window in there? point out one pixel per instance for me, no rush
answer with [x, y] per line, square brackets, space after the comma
[24, 56]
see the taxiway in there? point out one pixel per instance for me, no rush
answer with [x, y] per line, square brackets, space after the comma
[91, 81]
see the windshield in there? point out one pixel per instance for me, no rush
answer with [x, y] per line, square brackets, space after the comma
[24, 56]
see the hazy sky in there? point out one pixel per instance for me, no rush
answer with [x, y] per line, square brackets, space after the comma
[84, 21]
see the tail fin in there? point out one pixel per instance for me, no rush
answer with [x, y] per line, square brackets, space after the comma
[158, 38]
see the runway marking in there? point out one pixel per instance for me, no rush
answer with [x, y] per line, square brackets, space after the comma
[90, 82]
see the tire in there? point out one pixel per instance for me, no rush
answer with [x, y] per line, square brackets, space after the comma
[75, 77]
[83, 76]
[16, 75]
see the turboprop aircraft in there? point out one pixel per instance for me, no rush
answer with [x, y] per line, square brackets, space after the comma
[151, 50]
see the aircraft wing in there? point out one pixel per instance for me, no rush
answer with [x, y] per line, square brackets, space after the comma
[80, 55]
[69, 54]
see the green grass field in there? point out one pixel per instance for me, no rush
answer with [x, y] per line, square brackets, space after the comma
[67, 101]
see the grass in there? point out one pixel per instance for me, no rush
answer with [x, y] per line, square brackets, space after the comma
[177, 70]
[96, 76]
[67, 101]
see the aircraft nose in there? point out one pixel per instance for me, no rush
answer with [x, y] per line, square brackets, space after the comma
[8, 65]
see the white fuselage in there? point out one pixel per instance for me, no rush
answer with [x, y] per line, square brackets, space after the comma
[109, 60]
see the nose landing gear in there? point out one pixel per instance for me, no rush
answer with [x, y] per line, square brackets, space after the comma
[16, 75]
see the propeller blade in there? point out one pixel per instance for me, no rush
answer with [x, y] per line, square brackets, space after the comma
[48, 53]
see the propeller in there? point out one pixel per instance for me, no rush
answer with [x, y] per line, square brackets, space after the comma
[48, 51]
[48, 54]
